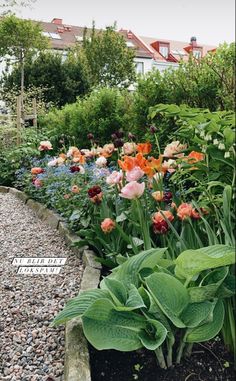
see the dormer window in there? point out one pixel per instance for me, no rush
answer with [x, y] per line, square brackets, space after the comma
[164, 49]
[197, 54]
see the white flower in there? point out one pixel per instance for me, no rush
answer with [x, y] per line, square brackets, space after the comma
[52, 163]
[101, 161]
[221, 146]
[227, 154]
[82, 170]
[216, 142]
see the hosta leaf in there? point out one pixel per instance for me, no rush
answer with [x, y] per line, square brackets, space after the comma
[209, 330]
[192, 262]
[200, 294]
[134, 300]
[78, 305]
[196, 313]
[227, 288]
[154, 335]
[169, 294]
[215, 277]
[116, 289]
[128, 271]
[107, 328]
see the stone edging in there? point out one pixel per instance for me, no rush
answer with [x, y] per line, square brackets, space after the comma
[77, 366]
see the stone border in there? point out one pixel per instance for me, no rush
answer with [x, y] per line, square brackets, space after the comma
[77, 366]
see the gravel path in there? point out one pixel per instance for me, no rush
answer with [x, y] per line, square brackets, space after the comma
[29, 349]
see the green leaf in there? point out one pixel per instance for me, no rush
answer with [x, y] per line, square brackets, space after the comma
[116, 289]
[192, 262]
[196, 313]
[107, 328]
[154, 335]
[128, 271]
[170, 295]
[78, 305]
[209, 330]
[122, 217]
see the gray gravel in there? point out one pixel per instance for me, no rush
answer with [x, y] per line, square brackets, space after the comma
[29, 349]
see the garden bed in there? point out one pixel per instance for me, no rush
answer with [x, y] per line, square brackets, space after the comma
[210, 361]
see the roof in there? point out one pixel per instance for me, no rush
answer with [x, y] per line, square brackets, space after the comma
[177, 48]
[68, 35]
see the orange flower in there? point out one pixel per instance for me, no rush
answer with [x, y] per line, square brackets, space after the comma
[196, 156]
[144, 148]
[37, 170]
[63, 156]
[107, 225]
[127, 164]
[158, 196]
[78, 158]
[159, 216]
[186, 210]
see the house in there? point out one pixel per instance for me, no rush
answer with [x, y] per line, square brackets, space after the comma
[150, 52]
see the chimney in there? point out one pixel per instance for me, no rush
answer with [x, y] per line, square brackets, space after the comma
[193, 41]
[129, 34]
[57, 21]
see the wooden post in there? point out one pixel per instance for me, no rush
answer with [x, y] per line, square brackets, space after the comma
[18, 120]
[35, 113]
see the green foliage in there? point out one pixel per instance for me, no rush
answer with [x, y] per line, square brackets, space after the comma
[101, 113]
[208, 83]
[155, 312]
[109, 60]
[61, 81]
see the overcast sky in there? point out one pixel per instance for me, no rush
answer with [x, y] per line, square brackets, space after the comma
[211, 21]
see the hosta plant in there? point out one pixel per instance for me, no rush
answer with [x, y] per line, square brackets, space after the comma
[165, 306]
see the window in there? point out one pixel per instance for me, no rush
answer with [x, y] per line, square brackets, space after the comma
[164, 50]
[197, 54]
[129, 44]
[55, 36]
[139, 67]
[79, 38]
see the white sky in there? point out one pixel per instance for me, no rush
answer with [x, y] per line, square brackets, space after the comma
[211, 21]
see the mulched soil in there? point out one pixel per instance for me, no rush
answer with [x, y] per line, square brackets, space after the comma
[209, 362]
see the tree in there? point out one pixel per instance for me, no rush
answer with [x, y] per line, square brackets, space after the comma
[18, 40]
[9, 6]
[109, 60]
[61, 81]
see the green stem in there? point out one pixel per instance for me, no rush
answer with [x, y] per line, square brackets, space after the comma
[180, 351]
[169, 357]
[160, 358]
[158, 146]
[144, 227]
[188, 350]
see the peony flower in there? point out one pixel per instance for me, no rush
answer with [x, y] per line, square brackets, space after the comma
[108, 225]
[135, 174]
[108, 149]
[45, 146]
[160, 225]
[96, 189]
[158, 196]
[75, 189]
[37, 170]
[132, 190]
[52, 163]
[114, 178]
[101, 161]
[72, 151]
[173, 149]
[128, 148]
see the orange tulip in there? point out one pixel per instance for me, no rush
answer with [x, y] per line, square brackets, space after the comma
[196, 156]
[144, 148]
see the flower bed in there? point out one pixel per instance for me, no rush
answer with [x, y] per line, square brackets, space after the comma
[150, 215]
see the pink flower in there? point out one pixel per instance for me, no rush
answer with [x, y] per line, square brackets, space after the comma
[186, 210]
[135, 174]
[37, 183]
[128, 148]
[132, 190]
[114, 178]
[160, 225]
[45, 145]
[107, 225]
[169, 165]
[101, 161]
[173, 149]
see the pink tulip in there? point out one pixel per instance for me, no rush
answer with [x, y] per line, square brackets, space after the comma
[132, 190]
[114, 178]
[135, 174]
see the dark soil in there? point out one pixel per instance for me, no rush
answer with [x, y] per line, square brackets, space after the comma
[209, 362]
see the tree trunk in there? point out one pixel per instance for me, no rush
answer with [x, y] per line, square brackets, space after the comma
[22, 80]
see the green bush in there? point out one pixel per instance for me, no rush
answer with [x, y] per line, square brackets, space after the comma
[101, 113]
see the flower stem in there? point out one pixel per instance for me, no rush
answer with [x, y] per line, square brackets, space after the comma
[160, 358]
